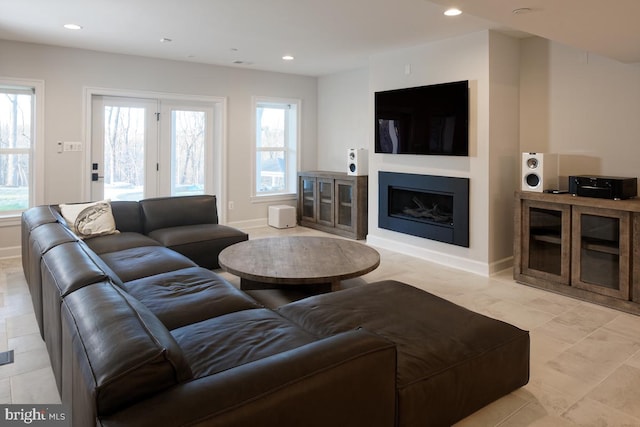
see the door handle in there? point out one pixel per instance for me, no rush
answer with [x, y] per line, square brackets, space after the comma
[94, 175]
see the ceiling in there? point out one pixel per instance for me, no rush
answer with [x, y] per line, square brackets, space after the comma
[324, 36]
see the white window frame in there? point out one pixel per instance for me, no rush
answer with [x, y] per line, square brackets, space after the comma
[292, 150]
[35, 151]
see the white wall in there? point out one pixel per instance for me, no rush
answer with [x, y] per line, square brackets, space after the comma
[504, 148]
[66, 72]
[462, 58]
[582, 106]
[527, 95]
[344, 112]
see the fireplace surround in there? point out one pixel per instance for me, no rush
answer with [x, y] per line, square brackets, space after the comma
[429, 206]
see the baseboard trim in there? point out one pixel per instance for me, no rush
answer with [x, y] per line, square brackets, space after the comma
[10, 252]
[452, 261]
[252, 223]
[501, 265]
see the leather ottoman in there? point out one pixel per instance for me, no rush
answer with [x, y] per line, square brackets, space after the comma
[451, 361]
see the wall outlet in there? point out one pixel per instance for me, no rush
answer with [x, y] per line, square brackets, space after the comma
[230, 206]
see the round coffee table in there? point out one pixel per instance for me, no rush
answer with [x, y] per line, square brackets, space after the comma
[297, 260]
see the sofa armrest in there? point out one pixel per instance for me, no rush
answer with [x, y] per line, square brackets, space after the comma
[347, 379]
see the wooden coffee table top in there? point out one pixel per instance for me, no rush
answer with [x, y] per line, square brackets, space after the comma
[299, 260]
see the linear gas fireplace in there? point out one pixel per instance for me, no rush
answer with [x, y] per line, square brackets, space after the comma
[433, 207]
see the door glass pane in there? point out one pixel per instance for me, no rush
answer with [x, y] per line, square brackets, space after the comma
[325, 194]
[308, 198]
[545, 240]
[188, 131]
[124, 138]
[600, 251]
[344, 204]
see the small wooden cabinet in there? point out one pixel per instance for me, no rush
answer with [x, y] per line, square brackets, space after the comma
[546, 241]
[601, 255]
[587, 248]
[333, 202]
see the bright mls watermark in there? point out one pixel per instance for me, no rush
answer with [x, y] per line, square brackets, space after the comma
[36, 415]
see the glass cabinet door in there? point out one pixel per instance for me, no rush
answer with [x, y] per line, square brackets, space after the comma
[308, 199]
[601, 251]
[345, 204]
[546, 241]
[325, 201]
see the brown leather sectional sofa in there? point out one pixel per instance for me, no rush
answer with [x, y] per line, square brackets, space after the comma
[141, 332]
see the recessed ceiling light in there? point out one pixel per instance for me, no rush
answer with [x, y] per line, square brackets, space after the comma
[452, 12]
[288, 58]
[73, 26]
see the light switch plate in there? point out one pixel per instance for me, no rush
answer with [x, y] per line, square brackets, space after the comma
[72, 146]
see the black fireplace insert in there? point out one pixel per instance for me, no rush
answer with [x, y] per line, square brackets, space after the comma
[429, 206]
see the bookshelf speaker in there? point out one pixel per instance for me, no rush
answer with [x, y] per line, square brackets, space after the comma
[539, 172]
[357, 161]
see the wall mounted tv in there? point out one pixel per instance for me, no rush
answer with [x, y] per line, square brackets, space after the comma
[430, 119]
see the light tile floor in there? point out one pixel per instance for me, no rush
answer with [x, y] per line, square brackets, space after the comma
[585, 359]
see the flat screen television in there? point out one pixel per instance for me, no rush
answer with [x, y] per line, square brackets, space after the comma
[430, 120]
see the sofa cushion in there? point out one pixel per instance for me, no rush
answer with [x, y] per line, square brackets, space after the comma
[134, 263]
[234, 339]
[118, 242]
[128, 354]
[189, 295]
[201, 243]
[164, 212]
[127, 216]
[451, 361]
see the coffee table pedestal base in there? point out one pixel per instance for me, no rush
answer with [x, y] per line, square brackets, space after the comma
[321, 288]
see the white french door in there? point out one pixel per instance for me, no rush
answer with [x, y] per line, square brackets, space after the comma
[124, 148]
[150, 147]
[186, 148]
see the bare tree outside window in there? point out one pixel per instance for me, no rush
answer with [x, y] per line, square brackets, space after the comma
[124, 133]
[16, 130]
[189, 128]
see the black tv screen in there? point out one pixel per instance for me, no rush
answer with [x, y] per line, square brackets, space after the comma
[430, 119]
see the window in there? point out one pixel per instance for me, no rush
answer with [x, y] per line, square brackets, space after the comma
[276, 155]
[17, 135]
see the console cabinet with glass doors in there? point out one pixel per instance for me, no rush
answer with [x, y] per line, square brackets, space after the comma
[333, 202]
[583, 247]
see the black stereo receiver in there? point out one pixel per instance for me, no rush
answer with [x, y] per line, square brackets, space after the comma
[603, 187]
